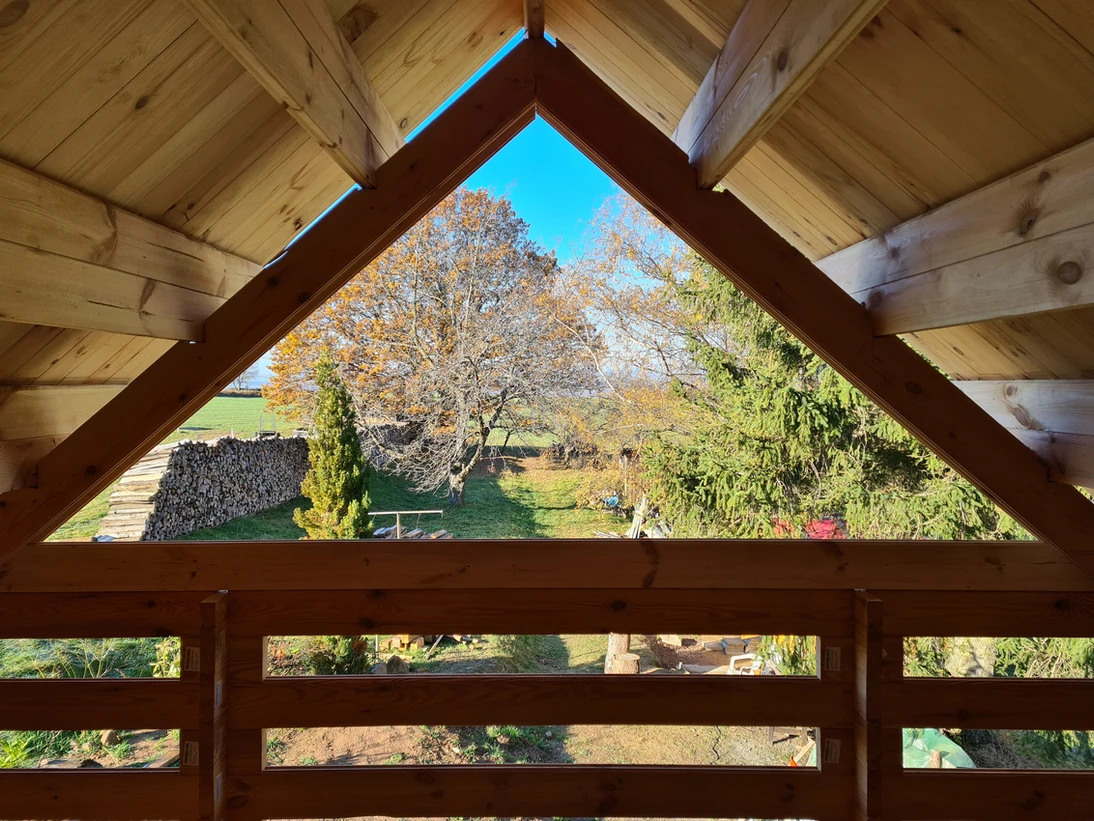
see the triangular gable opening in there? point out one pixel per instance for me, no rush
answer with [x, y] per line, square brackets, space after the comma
[537, 77]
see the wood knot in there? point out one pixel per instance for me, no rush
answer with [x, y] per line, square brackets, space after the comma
[783, 59]
[1069, 272]
[1028, 220]
[142, 101]
[1044, 176]
[1062, 604]
[91, 470]
[1010, 390]
[913, 388]
[13, 12]
[619, 605]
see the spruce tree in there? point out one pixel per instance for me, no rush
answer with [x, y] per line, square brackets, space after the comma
[338, 479]
[779, 440]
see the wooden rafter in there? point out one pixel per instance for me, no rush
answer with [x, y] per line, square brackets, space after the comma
[1019, 246]
[72, 261]
[534, 14]
[1056, 405]
[1054, 417]
[19, 460]
[793, 290]
[49, 410]
[294, 49]
[772, 54]
[363, 224]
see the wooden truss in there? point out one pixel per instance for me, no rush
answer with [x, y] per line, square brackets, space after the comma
[539, 78]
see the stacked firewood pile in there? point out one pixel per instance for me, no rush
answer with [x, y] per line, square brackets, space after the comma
[187, 486]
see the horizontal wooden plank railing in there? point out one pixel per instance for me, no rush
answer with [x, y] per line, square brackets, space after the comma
[97, 704]
[989, 704]
[537, 611]
[1041, 795]
[547, 791]
[704, 564]
[99, 615]
[859, 700]
[97, 795]
[470, 700]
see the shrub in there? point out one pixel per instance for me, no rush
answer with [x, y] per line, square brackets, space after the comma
[337, 482]
[337, 655]
[519, 654]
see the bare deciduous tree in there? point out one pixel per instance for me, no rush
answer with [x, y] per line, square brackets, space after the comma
[456, 331]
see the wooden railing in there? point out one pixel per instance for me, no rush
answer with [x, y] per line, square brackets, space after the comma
[223, 701]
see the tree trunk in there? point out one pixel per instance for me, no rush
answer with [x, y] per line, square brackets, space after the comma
[456, 488]
[617, 643]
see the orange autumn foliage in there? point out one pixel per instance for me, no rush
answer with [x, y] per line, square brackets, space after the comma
[458, 329]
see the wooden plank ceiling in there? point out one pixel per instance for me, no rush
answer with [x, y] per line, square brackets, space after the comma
[139, 111]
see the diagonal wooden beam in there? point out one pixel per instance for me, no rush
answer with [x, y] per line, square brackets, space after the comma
[788, 286]
[772, 54]
[1021, 245]
[323, 259]
[70, 260]
[534, 14]
[294, 49]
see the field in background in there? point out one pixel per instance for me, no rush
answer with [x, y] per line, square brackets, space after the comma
[228, 415]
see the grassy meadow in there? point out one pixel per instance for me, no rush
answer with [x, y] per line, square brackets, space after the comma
[518, 495]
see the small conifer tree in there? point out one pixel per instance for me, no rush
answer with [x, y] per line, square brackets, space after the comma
[338, 479]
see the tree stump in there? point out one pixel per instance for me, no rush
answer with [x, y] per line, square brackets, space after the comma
[617, 643]
[624, 663]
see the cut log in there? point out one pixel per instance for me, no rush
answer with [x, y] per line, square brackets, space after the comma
[626, 663]
[617, 643]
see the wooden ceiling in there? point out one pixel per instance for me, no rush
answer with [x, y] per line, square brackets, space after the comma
[135, 116]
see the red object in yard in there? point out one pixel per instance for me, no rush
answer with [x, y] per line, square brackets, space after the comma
[830, 527]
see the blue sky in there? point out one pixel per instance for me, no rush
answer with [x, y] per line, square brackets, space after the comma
[552, 186]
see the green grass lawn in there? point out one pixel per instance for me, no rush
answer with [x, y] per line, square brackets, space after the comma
[224, 415]
[221, 416]
[501, 512]
[84, 524]
[515, 498]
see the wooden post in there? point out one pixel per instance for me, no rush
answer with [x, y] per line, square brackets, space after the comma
[868, 661]
[835, 745]
[189, 673]
[246, 749]
[212, 700]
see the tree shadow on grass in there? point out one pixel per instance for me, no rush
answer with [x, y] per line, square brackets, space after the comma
[491, 512]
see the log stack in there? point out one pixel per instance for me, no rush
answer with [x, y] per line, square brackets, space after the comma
[185, 486]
